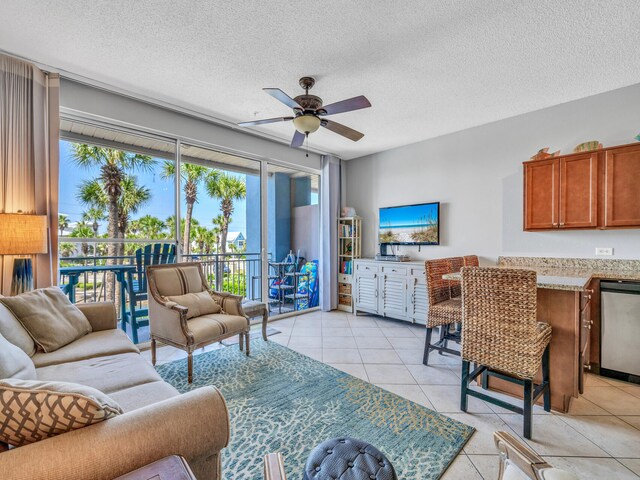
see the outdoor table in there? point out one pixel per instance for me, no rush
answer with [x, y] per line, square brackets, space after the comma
[120, 271]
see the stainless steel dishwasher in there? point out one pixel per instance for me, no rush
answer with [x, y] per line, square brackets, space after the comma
[620, 330]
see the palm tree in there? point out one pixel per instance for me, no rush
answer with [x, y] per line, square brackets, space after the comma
[227, 189]
[217, 221]
[192, 175]
[130, 199]
[171, 227]
[94, 215]
[150, 226]
[83, 230]
[66, 249]
[113, 165]
[63, 223]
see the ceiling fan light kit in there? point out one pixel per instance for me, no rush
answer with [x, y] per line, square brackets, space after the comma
[306, 123]
[308, 109]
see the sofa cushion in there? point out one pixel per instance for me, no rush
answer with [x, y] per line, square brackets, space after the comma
[37, 410]
[107, 374]
[94, 344]
[49, 317]
[12, 330]
[201, 303]
[15, 363]
[142, 395]
[208, 327]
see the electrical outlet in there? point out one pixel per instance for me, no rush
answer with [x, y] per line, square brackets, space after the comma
[604, 251]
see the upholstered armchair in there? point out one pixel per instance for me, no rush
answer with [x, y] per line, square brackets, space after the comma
[185, 313]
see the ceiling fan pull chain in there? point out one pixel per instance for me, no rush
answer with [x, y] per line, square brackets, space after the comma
[307, 135]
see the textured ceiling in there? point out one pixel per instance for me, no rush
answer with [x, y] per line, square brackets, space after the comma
[428, 67]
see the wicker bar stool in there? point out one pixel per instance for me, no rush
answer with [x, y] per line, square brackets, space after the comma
[443, 309]
[502, 336]
[471, 261]
[456, 286]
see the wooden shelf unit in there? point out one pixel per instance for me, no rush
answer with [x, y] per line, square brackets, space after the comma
[349, 248]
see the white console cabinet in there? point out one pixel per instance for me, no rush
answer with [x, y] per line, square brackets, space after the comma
[391, 289]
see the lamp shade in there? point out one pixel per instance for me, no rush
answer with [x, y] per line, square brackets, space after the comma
[306, 123]
[22, 234]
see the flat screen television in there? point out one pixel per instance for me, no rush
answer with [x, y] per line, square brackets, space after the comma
[410, 225]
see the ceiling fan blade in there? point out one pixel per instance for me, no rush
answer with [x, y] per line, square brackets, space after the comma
[340, 129]
[298, 139]
[283, 97]
[266, 120]
[348, 105]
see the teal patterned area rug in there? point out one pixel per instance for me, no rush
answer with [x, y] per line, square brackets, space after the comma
[282, 401]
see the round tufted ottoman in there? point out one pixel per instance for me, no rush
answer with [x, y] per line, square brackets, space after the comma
[348, 459]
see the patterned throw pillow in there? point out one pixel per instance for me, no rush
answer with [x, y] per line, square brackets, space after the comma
[201, 303]
[33, 410]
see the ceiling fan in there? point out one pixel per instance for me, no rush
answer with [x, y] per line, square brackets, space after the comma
[309, 112]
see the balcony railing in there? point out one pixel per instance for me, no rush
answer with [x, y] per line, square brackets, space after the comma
[237, 273]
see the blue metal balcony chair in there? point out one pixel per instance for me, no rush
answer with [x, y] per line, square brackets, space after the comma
[156, 254]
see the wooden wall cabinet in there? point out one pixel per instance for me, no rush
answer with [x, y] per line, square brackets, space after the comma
[622, 187]
[598, 189]
[561, 192]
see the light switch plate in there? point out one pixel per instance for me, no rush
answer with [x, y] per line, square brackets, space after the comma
[604, 251]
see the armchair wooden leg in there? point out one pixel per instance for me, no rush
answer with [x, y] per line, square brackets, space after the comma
[153, 351]
[247, 338]
[241, 341]
[265, 319]
[190, 367]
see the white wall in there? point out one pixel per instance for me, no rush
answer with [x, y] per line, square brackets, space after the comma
[476, 174]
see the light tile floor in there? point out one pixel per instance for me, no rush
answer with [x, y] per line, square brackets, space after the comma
[599, 438]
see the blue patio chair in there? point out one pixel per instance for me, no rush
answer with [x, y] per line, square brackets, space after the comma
[156, 254]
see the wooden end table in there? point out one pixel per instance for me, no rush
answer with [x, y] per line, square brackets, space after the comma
[252, 308]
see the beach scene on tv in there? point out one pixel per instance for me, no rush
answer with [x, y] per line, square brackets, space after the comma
[409, 224]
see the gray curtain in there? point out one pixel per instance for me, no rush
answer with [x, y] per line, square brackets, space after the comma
[329, 214]
[29, 135]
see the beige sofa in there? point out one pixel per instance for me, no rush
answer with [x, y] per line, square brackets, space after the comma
[158, 421]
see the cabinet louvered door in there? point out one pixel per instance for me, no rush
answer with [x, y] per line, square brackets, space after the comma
[394, 296]
[418, 300]
[367, 292]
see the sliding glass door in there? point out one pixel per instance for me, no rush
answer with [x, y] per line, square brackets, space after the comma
[252, 224]
[220, 218]
[293, 239]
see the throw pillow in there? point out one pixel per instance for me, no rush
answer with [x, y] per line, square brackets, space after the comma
[201, 303]
[34, 410]
[12, 330]
[14, 363]
[49, 317]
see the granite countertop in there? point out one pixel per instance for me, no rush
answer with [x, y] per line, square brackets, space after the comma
[567, 273]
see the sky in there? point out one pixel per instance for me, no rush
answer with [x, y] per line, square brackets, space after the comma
[409, 215]
[161, 204]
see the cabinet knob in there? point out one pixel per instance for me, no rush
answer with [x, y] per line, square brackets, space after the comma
[555, 224]
[562, 224]
[587, 366]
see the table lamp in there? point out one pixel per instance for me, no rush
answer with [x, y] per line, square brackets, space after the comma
[22, 234]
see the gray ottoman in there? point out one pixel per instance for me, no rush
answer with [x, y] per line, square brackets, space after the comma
[348, 459]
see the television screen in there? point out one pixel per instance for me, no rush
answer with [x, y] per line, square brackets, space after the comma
[410, 225]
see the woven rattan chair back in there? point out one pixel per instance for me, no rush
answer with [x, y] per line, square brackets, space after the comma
[437, 287]
[499, 324]
[471, 261]
[456, 265]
